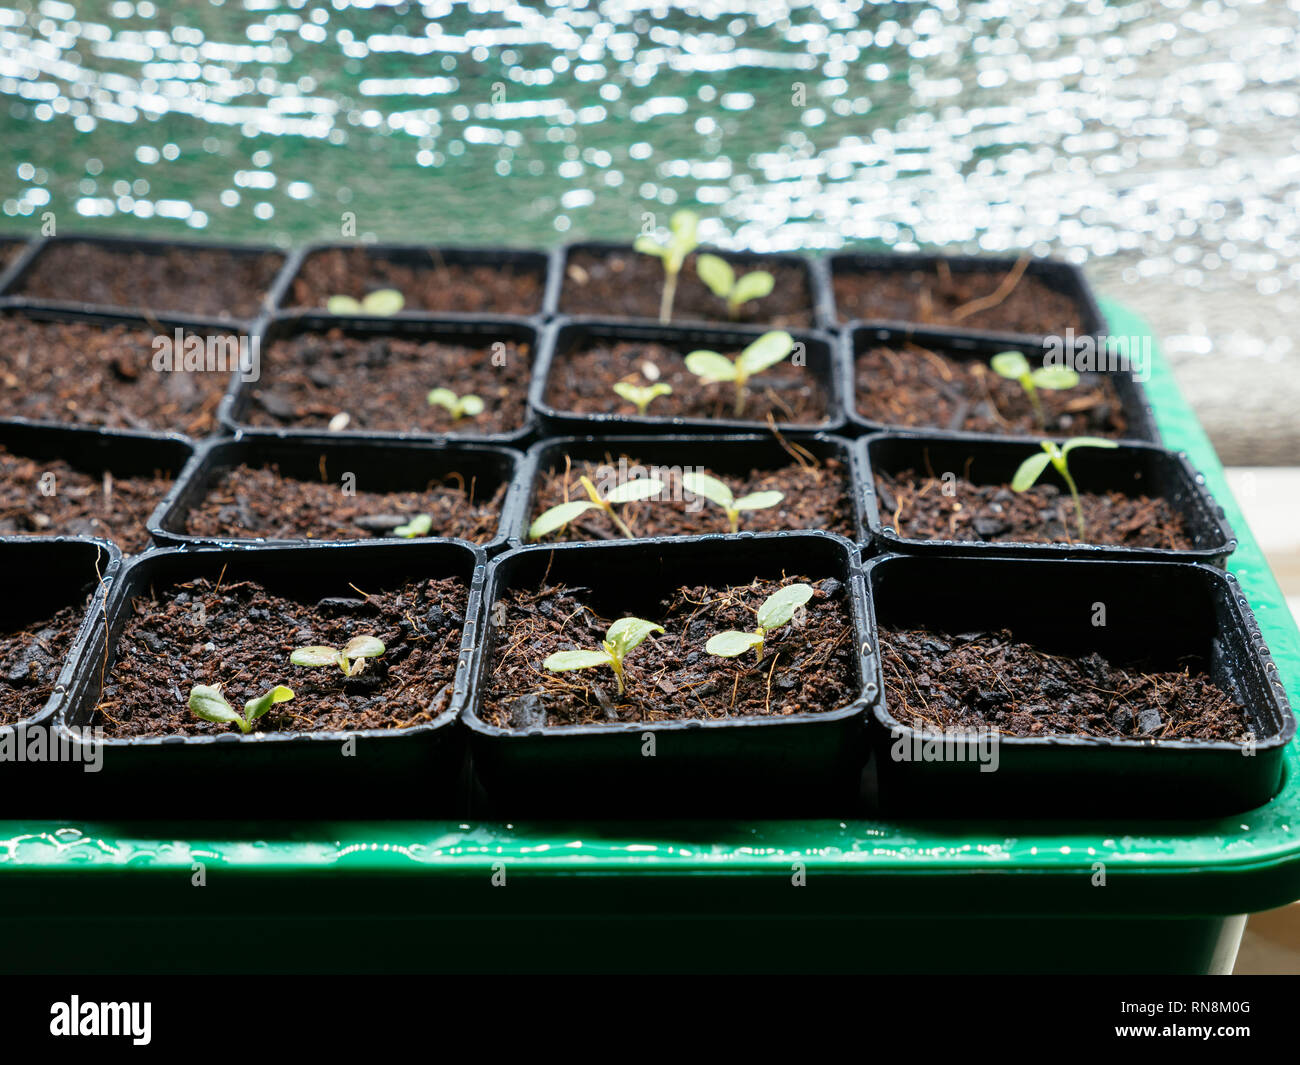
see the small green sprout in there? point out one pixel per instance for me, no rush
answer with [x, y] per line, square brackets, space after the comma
[1015, 367]
[1031, 469]
[457, 406]
[681, 242]
[207, 702]
[777, 610]
[417, 526]
[351, 659]
[620, 638]
[640, 396]
[627, 492]
[737, 291]
[701, 484]
[763, 353]
[382, 302]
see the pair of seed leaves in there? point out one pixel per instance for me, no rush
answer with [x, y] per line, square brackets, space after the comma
[382, 302]
[766, 351]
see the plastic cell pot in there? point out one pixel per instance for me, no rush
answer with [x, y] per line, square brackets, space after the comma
[741, 262]
[374, 466]
[1133, 469]
[394, 773]
[264, 297]
[478, 330]
[800, 765]
[566, 335]
[1168, 614]
[1141, 424]
[1061, 277]
[733, 455]
[517, 261]
[14, 249]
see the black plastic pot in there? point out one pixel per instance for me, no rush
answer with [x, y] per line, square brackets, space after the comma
[1060, 276]
[981, 347]
[743, 262]
[13, 283]
[97, 451]
[1134, 469]
[393, 773]
[476, 330]
[378, 466]
[15, 249]
[564, 335]
[1159, 611]
[522, 261]
[734, 455]
[803, 765]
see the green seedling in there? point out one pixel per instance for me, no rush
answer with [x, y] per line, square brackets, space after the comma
[640, 396]
[351, 658]
[207, 702]
[1015, 367]
[737, 291]
[681, 242]
[417, 526]
[763, 353]
[1032, 468]
[382, 302]
[777, 610]
[627, 492]
[620, 638]
[457, 406]
[701, 484]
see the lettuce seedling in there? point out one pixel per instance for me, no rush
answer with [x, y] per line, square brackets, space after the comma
[737, 291]
[640, 396]
[417, 526]
[1015, 367]
[682, 228]
[620, 638]
[701, 484]
[207, 702]
[351, 659]
[382, 302]
[763, 353]
[777, 610]
[627, 492]
[1031, 469]
[457, 406]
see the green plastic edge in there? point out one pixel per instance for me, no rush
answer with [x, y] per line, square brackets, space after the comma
[1243, 862]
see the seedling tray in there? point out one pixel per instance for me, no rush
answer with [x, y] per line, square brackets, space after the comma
[965, 894]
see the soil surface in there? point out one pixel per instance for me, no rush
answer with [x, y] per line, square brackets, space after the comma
[30, 661]
[381, 383]
[627, 284]
[436, 286]
[990, 680]
[249, 501]
[914, 386]
[80, 504]
[87, 374]
[9, 251]
[182, 280]
[582, 382]
[807, 667]
[918, 507]
[969, 299]
[817, 496]
[242, 639]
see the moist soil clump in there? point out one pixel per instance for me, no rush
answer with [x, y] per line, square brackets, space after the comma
[939, 680]
[244, 641]
[438, 286]
[627, 284]
[381, 384]
[914, 387]
[922, 507]
[205, 282]
[260, 501]
[807, 667]
[30, 661]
